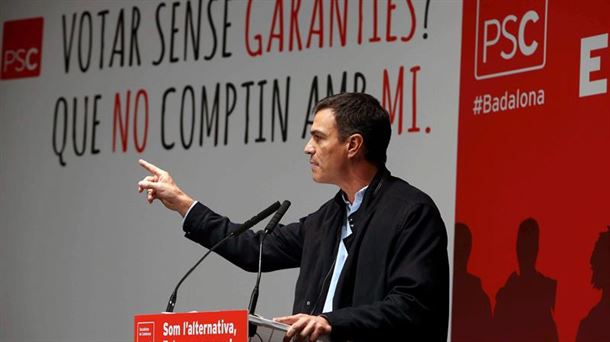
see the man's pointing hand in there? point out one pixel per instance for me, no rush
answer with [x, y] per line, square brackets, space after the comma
[160, 185]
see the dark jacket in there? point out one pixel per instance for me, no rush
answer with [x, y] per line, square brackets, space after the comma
[395, 282]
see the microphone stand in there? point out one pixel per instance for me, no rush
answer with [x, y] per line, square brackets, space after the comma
[172, 299]
[255, 290]
[261, 236]
[247, 225]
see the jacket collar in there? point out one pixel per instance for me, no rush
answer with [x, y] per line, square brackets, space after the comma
[371, 192]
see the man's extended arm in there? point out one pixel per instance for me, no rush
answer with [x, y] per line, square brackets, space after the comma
[282, 248]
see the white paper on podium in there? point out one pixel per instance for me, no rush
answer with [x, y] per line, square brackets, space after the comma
[270, 331]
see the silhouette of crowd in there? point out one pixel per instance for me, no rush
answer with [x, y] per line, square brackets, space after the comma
[525, 304]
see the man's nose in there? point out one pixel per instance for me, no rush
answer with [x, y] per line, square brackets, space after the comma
[308, 148]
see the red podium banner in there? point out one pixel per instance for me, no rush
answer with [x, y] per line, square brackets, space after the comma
[229, 326]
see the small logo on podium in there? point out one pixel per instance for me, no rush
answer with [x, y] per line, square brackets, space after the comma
[146, 332]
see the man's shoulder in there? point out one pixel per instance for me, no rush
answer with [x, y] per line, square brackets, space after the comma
[330, 206]
[399, 191]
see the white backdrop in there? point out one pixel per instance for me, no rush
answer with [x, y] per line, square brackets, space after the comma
[82, 252]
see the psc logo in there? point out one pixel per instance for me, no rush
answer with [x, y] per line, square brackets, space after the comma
[510, 37]
[22, 48]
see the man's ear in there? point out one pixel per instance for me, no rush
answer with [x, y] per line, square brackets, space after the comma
[354, 145]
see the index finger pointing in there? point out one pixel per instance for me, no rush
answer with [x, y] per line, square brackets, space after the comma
[150, 167]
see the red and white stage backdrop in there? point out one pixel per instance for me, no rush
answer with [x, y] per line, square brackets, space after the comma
[219, 92]
[500, 111]
[532, 244]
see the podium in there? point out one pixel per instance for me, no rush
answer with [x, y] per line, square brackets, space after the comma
[216, 326]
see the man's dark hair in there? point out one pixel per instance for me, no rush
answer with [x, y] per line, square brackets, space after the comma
[361, 113]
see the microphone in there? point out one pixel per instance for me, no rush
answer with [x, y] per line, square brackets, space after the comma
[245, 226]
[258, 217]
[277, 217]
[268, 230]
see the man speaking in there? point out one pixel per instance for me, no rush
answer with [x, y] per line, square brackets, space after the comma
[373, 259]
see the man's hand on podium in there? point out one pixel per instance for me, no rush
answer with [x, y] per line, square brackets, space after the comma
[160, 185]
[305, 327]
